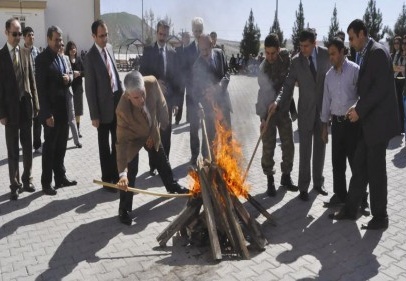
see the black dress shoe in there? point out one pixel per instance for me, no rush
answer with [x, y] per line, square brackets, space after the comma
[377, 223]
[179, 190]
[78, 145]
[341, 215]
[304, 196]
[65, 182]
[48, 190]
[29, 187]
[321, 190]
[14, 195]
[124, 217]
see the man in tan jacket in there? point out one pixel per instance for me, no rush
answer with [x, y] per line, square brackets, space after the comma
[141, 112]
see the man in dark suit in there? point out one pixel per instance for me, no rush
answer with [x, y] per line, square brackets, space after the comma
[192, 52]
[53, 84]
[103, 91]
[18, 105]
[308, 69]
[376, 110]
[182, 70]
[159, 60]
[140, 112]
[210, 82]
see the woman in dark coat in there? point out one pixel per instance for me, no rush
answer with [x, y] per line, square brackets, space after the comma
[77, 84]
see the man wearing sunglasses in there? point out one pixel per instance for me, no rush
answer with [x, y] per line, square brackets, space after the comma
[18, 106]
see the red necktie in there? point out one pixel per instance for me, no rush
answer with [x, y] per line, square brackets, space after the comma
[108, 69]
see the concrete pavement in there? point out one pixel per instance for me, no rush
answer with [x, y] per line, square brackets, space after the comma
[76, 235]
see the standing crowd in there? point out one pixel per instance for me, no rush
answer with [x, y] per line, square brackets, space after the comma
[355, 95]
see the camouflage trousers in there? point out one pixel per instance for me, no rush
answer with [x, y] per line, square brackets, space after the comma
[282, 122]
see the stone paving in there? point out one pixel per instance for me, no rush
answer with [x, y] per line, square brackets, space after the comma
[76, 235]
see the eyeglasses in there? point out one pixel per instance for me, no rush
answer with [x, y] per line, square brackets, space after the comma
[15, 33]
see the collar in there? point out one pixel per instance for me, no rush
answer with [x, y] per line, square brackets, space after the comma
[159, 46]
[343, 66]
[10, 48]
[314, 53]
[100, 49]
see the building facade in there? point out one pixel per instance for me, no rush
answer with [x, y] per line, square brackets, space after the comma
[74, 17]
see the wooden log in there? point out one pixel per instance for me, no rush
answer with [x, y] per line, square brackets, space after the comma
[218, 204]
[210, 219]
[232, 217]
[253, 227]
[261, 209]
[191, 209]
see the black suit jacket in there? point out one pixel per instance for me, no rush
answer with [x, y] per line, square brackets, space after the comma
[191, 54]
[205, 76]
[50, 86]
[149, 66]
[9, 95]
[377, 106]
[182, 66]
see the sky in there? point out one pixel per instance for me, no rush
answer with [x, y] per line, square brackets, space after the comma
[228, 17]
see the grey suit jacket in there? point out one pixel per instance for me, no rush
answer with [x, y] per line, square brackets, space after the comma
[377, 104]
[310, 91]
[99, 94]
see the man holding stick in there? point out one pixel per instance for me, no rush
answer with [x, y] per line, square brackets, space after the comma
[141, 112]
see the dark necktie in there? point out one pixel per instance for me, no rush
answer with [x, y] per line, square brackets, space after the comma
[161, 64]
[108, 66]
[312, 68]
[17, 71]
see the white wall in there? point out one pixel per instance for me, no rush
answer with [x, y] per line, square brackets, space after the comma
[74, 17]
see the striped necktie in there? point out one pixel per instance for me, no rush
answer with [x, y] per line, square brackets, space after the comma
[108, 66]
[17, 71]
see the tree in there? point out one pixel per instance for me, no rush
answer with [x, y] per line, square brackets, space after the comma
[334, 27]
[400, 25]
[275, 28]
[149, 16]
[250, 42]
[298, 27]
[373, 21]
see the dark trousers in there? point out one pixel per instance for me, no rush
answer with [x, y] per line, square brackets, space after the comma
[194, 130]
[344, 141]
[14, 134]
[36, 131]
[106, 134]
[180, 111]
[399, 92]
[164, 171]
[53, 151]
[369, 167]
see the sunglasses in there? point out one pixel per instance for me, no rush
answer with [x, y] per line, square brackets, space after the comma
[15, 33]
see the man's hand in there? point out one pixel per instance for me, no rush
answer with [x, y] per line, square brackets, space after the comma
[324, 133]
[76, 74]
[96, 123]
[3, 121]
[50, 122]
[66, 79]
[272, 108]
[262, 127]
[150, 143]
[175, 110]
[123, 183]
[352, 115]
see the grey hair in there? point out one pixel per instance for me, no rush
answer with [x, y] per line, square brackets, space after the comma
[197, 21]
[133, 81]
[53, 29]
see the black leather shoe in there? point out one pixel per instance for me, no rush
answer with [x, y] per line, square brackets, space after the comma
[286, 181]
[179, 190]
[78, 145]
[321, 190]
[341, 215]
[124, 217]
[304, 196]
[14, 195]
[65, 182]
[334, 201]
[29, 187]
[48, 190]
[377, 223]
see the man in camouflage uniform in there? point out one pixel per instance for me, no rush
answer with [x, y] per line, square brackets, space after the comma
[272, 73]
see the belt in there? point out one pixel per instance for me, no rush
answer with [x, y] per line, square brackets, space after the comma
[339, 118]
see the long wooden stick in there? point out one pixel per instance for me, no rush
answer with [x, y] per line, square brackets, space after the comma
[137, 190]
[256, 146]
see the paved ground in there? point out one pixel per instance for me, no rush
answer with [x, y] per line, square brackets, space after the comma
[75, 235]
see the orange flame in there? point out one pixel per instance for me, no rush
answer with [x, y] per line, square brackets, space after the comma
[228, 156]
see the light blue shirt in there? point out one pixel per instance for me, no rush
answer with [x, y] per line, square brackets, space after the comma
[314, 58]
[340, 90]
